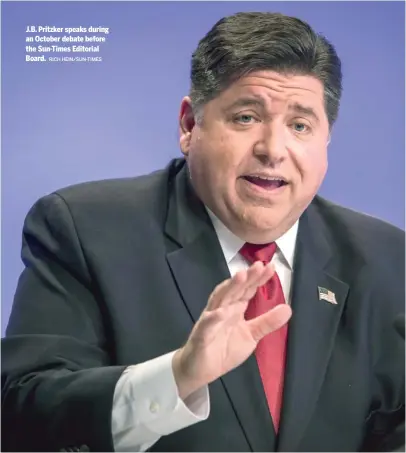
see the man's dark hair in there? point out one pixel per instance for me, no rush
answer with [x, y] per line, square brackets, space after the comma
[246, 42]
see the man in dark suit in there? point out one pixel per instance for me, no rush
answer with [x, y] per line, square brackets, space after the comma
[218, 304]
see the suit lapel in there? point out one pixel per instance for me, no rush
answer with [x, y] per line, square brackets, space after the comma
[198, 265]
[312, 329]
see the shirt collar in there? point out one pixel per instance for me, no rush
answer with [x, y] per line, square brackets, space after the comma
[231, 244]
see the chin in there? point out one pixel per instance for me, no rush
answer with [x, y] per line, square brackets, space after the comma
[262, 216]
[261, 224]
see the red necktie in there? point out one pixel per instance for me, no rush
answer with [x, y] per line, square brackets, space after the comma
[271, 350]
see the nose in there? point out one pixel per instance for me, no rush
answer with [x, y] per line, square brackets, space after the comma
[270, 149]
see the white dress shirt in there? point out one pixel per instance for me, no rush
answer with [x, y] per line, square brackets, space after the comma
[146, 402]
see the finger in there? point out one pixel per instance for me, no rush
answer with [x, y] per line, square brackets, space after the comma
[270, 321]
[227, 286]
[267, 274]
[254, 274]
[232, 289]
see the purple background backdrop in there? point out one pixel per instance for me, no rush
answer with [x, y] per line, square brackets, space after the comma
[64, 123]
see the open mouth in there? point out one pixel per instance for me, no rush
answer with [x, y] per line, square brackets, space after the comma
[265, 182]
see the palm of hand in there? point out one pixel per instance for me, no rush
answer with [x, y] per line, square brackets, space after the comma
[222, 339]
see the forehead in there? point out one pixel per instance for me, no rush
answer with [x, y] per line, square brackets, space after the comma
[272, 89]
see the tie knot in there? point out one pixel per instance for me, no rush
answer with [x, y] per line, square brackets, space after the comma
[258, 252]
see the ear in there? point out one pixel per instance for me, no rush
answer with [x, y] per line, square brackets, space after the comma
[186, 124]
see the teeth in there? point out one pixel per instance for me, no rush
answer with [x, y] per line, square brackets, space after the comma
[268, 178]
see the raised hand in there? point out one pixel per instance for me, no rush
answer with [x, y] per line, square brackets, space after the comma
[222, 339]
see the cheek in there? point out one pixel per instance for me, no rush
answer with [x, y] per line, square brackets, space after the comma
[310, 160]
[218, 153]
[206, 161]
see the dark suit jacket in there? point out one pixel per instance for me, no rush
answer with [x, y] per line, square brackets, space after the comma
[117, 272]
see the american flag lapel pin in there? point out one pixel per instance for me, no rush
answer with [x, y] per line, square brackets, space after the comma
[327, 295]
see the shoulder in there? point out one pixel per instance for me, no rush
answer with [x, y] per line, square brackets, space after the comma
[107, 207]
[109, 192]
[371, 236]
[358, 220]
[116, 197]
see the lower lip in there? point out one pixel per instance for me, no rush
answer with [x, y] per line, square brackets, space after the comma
[265, 190]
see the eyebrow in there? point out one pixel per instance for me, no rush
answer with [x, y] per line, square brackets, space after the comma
[250, 101]
[304, 110]
[247, 101]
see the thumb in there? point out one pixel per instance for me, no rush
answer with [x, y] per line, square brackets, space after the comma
[270, 321]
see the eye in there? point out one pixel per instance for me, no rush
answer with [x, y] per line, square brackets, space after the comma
[244, 118]
[301, 127]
